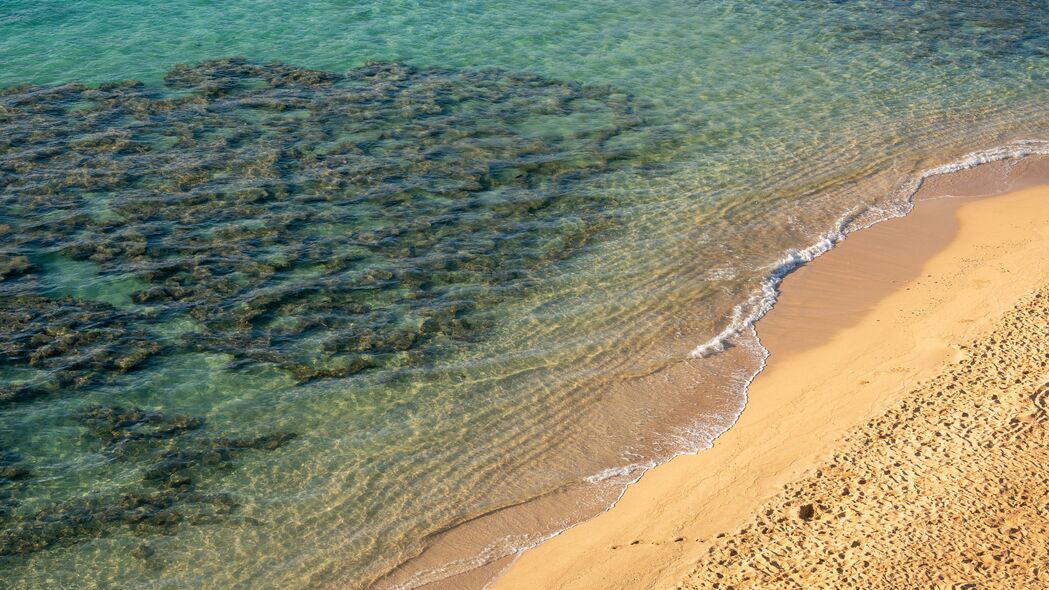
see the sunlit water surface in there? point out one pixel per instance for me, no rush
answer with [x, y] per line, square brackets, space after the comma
[403, 287]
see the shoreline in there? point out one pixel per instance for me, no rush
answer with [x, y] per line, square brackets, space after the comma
[945, 488]
[824, 308]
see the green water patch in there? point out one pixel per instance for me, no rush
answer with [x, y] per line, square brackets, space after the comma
[177, 256]
[168, 453]
[77, 342]
[80, 279]
[390, 186]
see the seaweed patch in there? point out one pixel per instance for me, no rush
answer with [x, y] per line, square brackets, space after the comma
[323, 223]
[169, 456]
[77, 342]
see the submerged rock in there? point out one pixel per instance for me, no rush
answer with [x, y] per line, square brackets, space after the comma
[80, 342]
[321, 223]
[13, 266]
[114, 424]
[13, 472]
[275, 204]
[98, 516]
[169, 448]
[10, 471]
[208, 453]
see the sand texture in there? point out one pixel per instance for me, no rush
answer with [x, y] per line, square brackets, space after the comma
[852, 338]
[947, 489]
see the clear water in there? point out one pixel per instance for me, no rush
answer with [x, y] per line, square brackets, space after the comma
[339, 323]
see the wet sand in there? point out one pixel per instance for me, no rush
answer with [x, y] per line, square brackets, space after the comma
[864, 344]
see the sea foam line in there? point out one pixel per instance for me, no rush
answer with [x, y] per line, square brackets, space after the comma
[747, 314]
[744, 318]
[761, 301]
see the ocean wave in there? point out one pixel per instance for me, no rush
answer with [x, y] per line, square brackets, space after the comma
[742, 325]
[761, 301]
[620, 472]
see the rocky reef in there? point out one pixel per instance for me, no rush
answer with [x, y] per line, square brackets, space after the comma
[169, 453]
[320, 223]
[324, 223]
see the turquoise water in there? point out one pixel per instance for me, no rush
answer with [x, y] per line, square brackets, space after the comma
[376, 294]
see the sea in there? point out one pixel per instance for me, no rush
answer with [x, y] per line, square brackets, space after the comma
[361, 294]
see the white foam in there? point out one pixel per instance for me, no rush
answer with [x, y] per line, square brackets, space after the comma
[747, 313]
[620, 472]
[744, 318]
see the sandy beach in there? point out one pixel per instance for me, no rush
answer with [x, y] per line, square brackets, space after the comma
[526, 295]
[896, 437]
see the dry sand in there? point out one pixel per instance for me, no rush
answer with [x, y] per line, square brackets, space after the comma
[948, 489]
[908, 368]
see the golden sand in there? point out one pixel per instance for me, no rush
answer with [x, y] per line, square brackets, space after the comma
[911, 357]
[948, 488]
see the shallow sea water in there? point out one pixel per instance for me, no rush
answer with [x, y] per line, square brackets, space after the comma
[375, 294]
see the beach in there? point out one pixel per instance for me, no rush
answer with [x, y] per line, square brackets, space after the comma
[480, 294]
[895, 438]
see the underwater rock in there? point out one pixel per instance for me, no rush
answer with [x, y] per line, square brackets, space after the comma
[98, 516]
[115, 424]
[321, 223]
[13, 266]
[143, 551]
[272, 203]
[9, 470]
[20, 393]
[13, 473]
[208, 453]
[168, 447]
[79, 341]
